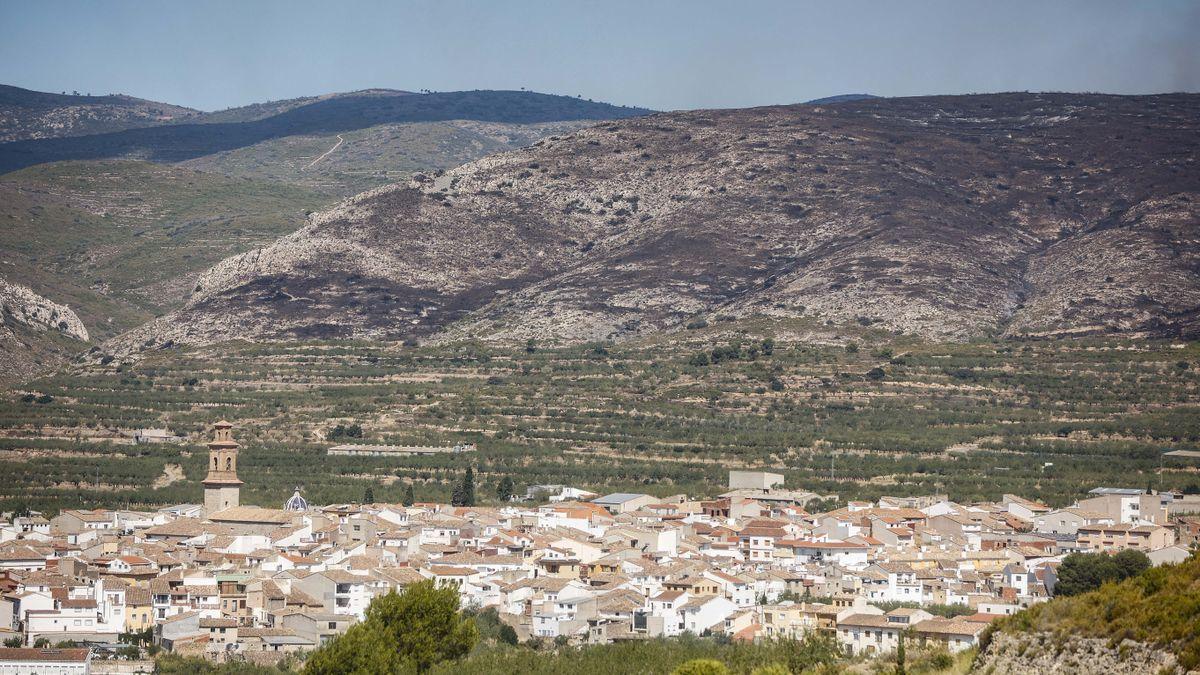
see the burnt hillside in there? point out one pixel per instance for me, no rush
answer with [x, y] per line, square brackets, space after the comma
[946, 217]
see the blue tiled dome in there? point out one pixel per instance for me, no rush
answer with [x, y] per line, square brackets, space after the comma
[296, 503]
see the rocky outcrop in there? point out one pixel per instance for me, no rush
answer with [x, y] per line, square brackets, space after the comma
[36, 334]
[21, 305]
[945, 217]
[1046, 654]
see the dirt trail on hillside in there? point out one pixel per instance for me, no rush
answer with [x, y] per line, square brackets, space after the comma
[326, 153]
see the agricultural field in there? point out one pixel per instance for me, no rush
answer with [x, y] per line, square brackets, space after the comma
[858, 416]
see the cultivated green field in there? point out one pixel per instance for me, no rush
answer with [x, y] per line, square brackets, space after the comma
[1048, 420]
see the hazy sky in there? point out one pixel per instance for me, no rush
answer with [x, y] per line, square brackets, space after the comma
[655, 53]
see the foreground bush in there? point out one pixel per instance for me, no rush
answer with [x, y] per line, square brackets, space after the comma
[407, 632]
[654, 657]
[173, 664]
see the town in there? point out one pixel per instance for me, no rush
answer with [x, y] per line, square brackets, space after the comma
[559, 564]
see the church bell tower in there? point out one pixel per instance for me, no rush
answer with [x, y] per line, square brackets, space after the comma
[222, 489]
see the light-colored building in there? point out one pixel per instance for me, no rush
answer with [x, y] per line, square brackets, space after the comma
[873, 634]
[1127, 505]
[144, 436]
[953, 634]
[45, 661]
[624, 502]
[1068, 521]
[754, 480]
[1122, 536]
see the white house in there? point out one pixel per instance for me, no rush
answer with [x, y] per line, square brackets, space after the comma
[877, 633]
[30, 661]
[704, 613]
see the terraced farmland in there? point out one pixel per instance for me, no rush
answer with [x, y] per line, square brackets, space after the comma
[668, 415]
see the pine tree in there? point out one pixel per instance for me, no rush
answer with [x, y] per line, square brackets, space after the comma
[369, 495]
[408, 496]
[402, 632]
[900, 657]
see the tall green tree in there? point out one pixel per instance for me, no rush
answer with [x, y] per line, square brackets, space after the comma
[413, 630]
[409, 497]
[369, 495]
[464, 493]
[1131, 562]
[364, 648]
[505, 489]
[1083, 572]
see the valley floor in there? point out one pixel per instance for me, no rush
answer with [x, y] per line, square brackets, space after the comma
[865, 417]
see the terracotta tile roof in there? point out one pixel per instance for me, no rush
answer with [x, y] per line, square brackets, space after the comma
[44, 655]
[451, 571]
[949, 627]
[253, 514]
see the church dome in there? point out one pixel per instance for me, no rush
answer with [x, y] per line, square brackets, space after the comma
[296, 503]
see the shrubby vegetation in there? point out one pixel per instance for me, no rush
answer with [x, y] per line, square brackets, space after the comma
[173, 664]
[947, 611]
[1084, 572]
[660, 656]
[346, 431]
[1159, 606]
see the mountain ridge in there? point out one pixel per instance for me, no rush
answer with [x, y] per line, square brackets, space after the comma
[26, 114]
[947, 217]
[196, 138]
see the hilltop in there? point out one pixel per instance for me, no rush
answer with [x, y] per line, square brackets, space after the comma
[948, 217]
[29, 115]
[841, 98]
[324, 115]
[258, 111]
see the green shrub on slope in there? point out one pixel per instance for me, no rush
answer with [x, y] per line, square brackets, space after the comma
[1160, 606]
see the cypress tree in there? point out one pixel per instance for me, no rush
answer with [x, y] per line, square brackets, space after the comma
[505, 489]
[464, 493]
